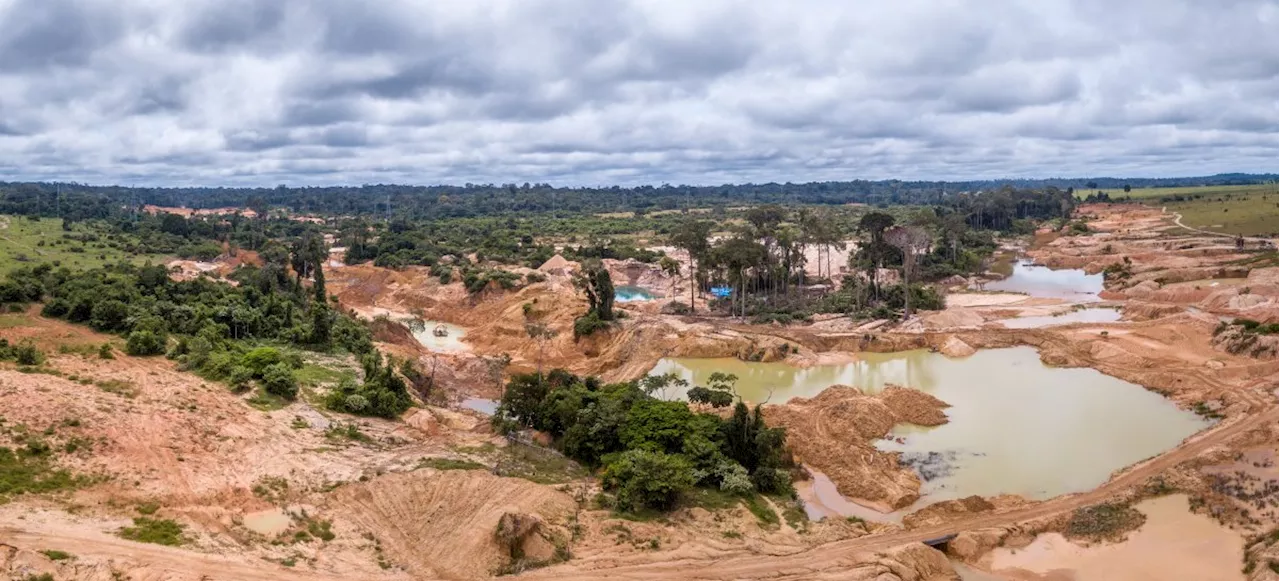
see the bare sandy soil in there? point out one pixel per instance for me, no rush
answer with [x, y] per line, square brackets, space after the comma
[209, 460]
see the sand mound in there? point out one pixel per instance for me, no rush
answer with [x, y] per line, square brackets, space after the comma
[833, 432]
[955, 347]
[444, 523]
[558, 265]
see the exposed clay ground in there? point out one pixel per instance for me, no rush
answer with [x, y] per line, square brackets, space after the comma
[199, 451]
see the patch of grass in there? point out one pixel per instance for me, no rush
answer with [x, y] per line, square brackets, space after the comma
[155, 531]
[793, 512]
[81, 349]
[348, 431]
[11, 320]
[26, 472]
[321, 529]
[55, 555]
[119, 387]
[1107, 521]
[711, 499]
[450, 464]
[27, 241]
[1203, 410]
[538, 465]
[266, 402]
[299, 423]
[316, 375]
[148, 508]
[763, 512]
[271, 488]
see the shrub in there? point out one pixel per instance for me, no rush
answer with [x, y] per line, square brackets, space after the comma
[1103, 521]
[239, 378]
[26, 353]
[587, 325]
[259, 359]
[144, 342]
[156, 531]
[645, 479]
[676, 308]
[278, 379]
[734, 478]
[104, 352]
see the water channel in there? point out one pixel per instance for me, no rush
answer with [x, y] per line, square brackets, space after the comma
[1098, 315]
[1016, 426]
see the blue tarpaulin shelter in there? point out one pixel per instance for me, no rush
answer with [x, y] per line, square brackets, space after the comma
[721, 292]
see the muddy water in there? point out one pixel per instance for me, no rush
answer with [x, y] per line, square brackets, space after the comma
[1173, 543]
[485, 406]
[822, 500]
[1040, 281]
[450, 343]
[627, 294]
[1077, 316]
[268, 523]
[1015, 426]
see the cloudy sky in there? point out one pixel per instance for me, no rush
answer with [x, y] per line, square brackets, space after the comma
[593, 92]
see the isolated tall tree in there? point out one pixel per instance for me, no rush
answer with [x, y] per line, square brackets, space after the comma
[692, 237]
[876, 250]
[953, 228]
[671, 267]
[597, 285]
[541, 333]
[806, 219]
[910, 240]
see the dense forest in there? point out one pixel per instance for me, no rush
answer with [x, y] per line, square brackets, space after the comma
[79, 201]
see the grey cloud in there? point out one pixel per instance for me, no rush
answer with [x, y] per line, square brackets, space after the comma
[245, 92]
[233, 24]
[39, 34]
[256, 141]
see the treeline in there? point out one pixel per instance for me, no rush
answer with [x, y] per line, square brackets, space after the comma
[764, 258]
[652, 451]
[237, 334]
[385, 200]
[524, 242]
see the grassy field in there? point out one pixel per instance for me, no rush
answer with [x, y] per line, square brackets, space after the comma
[27, 241]
[1252, 210]
[1156, 193]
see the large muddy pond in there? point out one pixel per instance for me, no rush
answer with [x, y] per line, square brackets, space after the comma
[1041, 281]
[1015, 426]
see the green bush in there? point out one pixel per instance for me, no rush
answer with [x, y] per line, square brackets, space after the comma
[156, 531]
[26, 353]
[644, 479]
[587, 325]
[239, 378]
[384, 393]
[144, 342]
[257, 360]
[278, 379]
